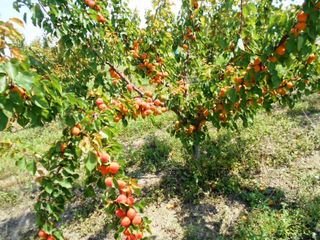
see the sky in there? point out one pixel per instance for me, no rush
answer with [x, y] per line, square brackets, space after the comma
[31, 33]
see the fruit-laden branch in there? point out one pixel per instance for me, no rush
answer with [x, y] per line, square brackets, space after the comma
[124, 78]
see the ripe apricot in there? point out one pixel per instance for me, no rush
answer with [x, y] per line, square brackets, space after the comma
[302, 16]
[257, 68]
[295, 32]
[115, 82]
[260, 100]
[114, 74]
[164, 109]
[102, 107]
[122, 184]
[131, 213]
[109, 182]
[250, 102]
[114, 167]
[137, 220]
[289, 85]
[90, 3]
[144, 56]
[148, 94]
[281, 50]
[257, 61]
[118, 118]
[75, 131]
[125, 222]
[312, 58]
[272, 59]
[223, 92]
[127, 232]
[63, 147]
[222, 117]
[139, 235]
[130, 201]
[236, 105]
[191, 129]
[135, 54]
[101, 18]
[130, 87]
[205, 112]
[238, 80]
[301, 26]
[230, 69]
[51, 238]
[104, 169]
[121, 199]
[19, 91]
[105, 157]
[97, 8]
[120, 213]
[99, 101]
[185, 47]
[42, 234]
[196, 5]
[282, 91]
[157, 102]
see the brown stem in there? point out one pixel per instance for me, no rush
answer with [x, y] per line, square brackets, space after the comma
[124, 78]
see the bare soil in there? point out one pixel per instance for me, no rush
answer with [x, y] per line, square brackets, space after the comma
[171, 219]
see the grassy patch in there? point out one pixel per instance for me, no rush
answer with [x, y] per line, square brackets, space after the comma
[8, 199]
[25, 143]
[267, 223]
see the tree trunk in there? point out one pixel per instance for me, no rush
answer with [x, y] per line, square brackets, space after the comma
[196, 152]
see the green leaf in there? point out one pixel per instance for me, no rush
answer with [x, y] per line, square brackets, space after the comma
[32, 167]
[49, 187]
[11, 70]
[91, 161]
[24, 80]
[240, 44]
[3, 121]
[89, 192]
[66, 183]
[232, 95]
[21, 163]
[300, 42]
[3, 83]
[40, 101]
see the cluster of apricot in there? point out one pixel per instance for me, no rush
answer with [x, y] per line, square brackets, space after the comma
[115, 76]
[107, 167]
[302, 18]
[93, 5]
[189, 36]
[125, 200]
[128, 217]
[142, 107]
[147, 66]
[258, 66]
[199, 121]
[43, 235]
[182, 88]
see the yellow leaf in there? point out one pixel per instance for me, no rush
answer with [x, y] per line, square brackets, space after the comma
[17, 21]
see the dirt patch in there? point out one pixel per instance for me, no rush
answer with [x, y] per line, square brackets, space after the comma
[171, 219]
[18, 222]
[294, 178]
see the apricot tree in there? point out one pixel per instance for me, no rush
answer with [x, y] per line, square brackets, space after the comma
[216, 61]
